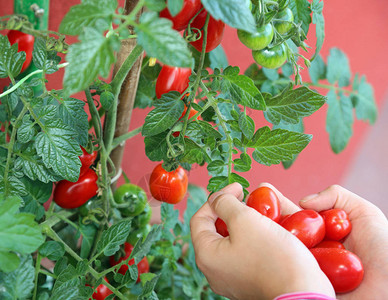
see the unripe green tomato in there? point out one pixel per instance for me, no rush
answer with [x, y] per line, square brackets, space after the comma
[258, 40]
[132, 195]
[283, 21]
[271, 58]
[135, 235]
[144, 218]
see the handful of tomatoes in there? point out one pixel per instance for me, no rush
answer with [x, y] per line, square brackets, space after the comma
[322, 233]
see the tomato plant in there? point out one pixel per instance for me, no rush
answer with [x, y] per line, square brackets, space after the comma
[25, 43]
[266, 202]
[172, 79]
[307, 225]
[181, 20]
[337, 224]
[133, 196]
[169, 187]
[343, 268]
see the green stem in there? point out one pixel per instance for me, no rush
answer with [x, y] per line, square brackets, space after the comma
[56, 218]
[121, 139]
[37, 269]
[94, 114]
[48, 273]
[330, 87]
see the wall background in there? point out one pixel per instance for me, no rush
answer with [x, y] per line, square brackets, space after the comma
[357, 27]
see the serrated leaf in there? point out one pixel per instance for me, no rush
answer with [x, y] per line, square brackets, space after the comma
[167, 111]
[45, 60]
[113, 237]
[301, 11]
[241, 89]
[169, 216]
[38, 193]
[242, 164]
[52, 250]
[156, 146]
[217, 167]
[217, 183]
[88, 233]
[19, 283]
[317, 70]
[273, 147]
[319, 21]
[73, 114]
[145, 92]
[193, 153]
[106, 99]
[202, 129]
[11, 60]
[364, 101]
[59, 150]
[159, 40]
[142, 248]
[235, 13]
[292, 105]
[93, 56]
[338, 69]
[339, 121]
[246, 124]
[14, 185]
[241, 180]
[88, 14]
[8, 262]
[26, 131]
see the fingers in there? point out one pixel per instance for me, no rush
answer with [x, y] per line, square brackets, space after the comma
[287, 206]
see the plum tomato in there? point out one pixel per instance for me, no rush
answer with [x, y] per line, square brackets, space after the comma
[337, 223]
[258, 40]
[189, 9]
[330, 244]
[102, 292]
[87, 159]
[265, 201]
[221, 227]
[172, 79]
[25, 43]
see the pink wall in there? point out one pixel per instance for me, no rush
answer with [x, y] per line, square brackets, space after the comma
[357, 27]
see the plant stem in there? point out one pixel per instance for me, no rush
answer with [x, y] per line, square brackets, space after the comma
[48, 273]
[94, 114]
[56, 218]
[37, 269]
[120, 139]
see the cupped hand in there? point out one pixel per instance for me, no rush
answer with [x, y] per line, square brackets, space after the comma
[368, 238]
[259, 259]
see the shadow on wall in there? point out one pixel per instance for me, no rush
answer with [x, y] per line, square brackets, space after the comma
[368, 174]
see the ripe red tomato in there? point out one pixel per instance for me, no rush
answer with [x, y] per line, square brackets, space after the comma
[182, 19]
[102, 292]
[215, 32]
[169, 187]
[307, 225]
[25, 43]
[74, 194]
[142, 266]
[172, 79]
[342, 267]
[266, 202]
[221, 227]
[87, 160]
[330, 244]
[337, 224]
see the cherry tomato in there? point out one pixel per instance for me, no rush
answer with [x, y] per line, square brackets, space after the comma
[283, 21]
[133, 195]
[215, 32]
[258, 40]
[102, 292]
[266, 202]
[142, 266]
[169, 187]
[271, 58]
[87, 160]
[172, 79]
[283, 217]
[337, 224]
[182, 19]
[74, 194]
[330, 244]
[25, 43]
[307, 225]
[144, 218]
[342, 267]
[221, 227]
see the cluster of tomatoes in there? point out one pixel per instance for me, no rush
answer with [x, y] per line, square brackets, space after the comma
[260, 41]
[322, 233]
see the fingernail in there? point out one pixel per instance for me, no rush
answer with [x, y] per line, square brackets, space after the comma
[308, 198]
[214, 196]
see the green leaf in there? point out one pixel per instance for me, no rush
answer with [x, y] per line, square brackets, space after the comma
[319, 21]
[218, 58]
[88, 233]
[241, 180]
[202, 129]
[243, 164]
[193, 153]
[174, 6]
[156, 146]
[155, 5]
[113, 237]
[217, 183]
[241, 89]
[19, 283]
[92, 13]
[169, 216]
[18, 231]
[273, 147]
[59, 150]
[235, 13]
[145, 92]
[338, 68]
[9, 262]
[45, 60]
[148, 288]
[159, 40]
[339, 121]
[246, 124]
[141, 248]
[301, 11]
[291, 105]
[11, 60]
[69, 286]
[93, 56]
[106, 99]
[364, 101]
[217, 167]
[26, 131]
[38, 193]
[52, 250]
[317, 69]
[72, 113]
[168, 110]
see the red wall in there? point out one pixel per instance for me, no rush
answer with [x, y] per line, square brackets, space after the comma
[358, 27]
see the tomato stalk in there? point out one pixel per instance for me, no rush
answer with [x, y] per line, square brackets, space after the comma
[122, 138]
[37, 270]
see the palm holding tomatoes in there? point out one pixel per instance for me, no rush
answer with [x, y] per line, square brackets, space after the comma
[337, 224]
[265, 201]
[182, 19]
[169, 187]
[25, 43]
